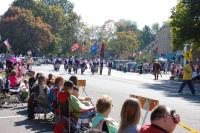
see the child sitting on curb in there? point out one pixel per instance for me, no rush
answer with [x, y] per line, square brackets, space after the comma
[102, 121]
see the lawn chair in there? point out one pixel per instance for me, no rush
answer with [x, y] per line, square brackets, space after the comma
[65, 122]
[82, 85]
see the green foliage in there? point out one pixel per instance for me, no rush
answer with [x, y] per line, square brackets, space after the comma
[123, 45]
[25, 32]
[66, 5]
[126, 25]
[155, 28]
[185, 24]
[146, 37]
[60, 16]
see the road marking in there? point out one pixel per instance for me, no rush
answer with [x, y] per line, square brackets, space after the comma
[12, 116]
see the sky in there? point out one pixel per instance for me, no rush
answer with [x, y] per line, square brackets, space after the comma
[96, 12]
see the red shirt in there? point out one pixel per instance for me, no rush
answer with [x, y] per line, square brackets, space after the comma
[13, 81]
[152, 129]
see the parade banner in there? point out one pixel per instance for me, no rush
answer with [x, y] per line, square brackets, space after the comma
[147, 104]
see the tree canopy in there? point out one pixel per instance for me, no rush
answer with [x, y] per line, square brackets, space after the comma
[24, 31]
[185, 23]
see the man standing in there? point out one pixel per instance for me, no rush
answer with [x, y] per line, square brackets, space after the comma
[163, 120]
[101, 66]
[156, 69]
[187, 78]
[109, 67]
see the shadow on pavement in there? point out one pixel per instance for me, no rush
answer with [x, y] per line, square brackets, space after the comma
[170, 89]
[37, 126]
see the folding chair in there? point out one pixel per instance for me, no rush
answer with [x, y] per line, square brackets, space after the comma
[82, 85]
[43, 113]
[65, 122]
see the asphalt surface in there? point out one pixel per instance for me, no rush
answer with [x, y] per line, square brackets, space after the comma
[119, 86]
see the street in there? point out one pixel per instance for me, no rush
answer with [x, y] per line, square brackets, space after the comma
[119, 86]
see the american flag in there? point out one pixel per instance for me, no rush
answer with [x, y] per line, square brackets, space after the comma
[84, 48]
[7, 44]
[74, 47]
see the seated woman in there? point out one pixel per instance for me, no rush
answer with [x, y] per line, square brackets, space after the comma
[130, 116]
[14, 81]
[52, 94]
[85, 100]
[102, 121]
[76, 107]
[38, 97]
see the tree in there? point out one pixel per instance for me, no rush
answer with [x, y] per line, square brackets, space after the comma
[146, 37]
[123, 45]
[126, 25]
[107, 31]
[155, 28]
[185, 23]
[24, 31]
[66, 5]
[69, 34]
[53, 12]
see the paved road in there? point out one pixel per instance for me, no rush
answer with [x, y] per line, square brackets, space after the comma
[119, 85]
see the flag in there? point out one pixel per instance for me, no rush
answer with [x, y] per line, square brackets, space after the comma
[94, 48]
[84, 47]
[155, 51]
[7, 44]
[140, 53]
[75, 46]
[134, 54]
[102, 50]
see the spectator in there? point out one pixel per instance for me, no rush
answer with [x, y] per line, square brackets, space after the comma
[14, 81]
[52, 95]
[38, 96]
[77, 108]
[187, 78]
[163, 120]
[130, 116]
[85, 100]
[102, 121]
[32, 79]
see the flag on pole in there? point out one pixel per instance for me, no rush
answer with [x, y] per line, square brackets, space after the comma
[102, 50]
[94, 48]
[84, 47]
[75, 46]
[7, 44]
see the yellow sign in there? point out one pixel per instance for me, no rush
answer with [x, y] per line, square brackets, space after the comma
[187, 55]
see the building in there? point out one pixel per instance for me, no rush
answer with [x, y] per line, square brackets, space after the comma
[162, 45]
